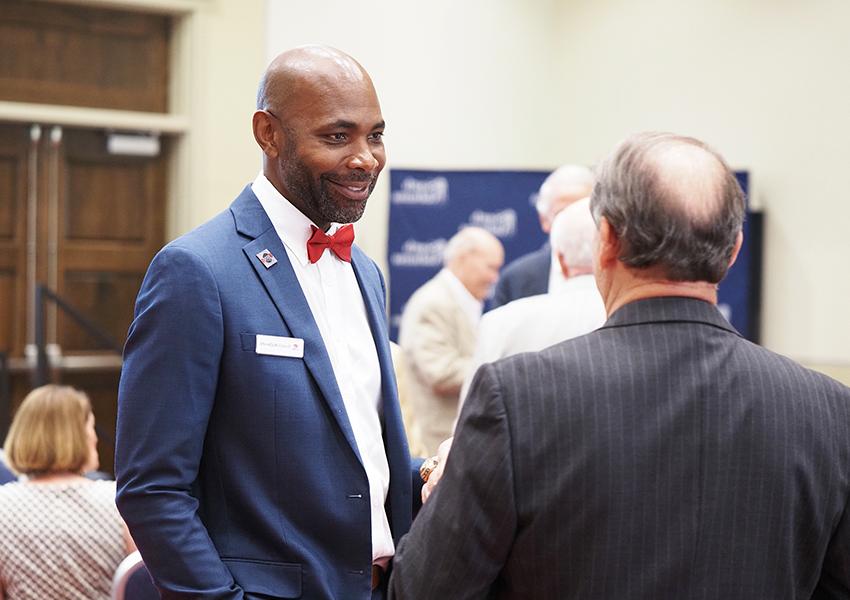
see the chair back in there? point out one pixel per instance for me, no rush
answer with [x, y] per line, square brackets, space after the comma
[132, 580]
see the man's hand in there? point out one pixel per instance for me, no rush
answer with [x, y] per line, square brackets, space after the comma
[434, 477]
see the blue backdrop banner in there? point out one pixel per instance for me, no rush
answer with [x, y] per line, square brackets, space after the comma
[429, 207]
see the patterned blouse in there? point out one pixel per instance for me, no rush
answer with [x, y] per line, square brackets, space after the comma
[59, 540]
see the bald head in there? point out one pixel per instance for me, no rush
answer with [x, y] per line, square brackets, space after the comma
[673, 203]
[689, 178]
[475, 256]
[304, 68]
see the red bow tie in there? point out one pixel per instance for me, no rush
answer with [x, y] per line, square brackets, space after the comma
[339, 243]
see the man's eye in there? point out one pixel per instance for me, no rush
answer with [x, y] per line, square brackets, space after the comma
[337, 137]
[378, 136]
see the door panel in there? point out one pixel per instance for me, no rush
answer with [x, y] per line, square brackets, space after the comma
[112, 213]
[14, 154]
[83, 56]
[9, 193]
[105, 201]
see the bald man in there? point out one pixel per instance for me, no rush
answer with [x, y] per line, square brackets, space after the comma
[660, 457]
[260, 449]
[438, 330]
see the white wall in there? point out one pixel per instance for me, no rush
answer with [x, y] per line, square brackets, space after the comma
[768, 84]
[534, 84]
[220, 57]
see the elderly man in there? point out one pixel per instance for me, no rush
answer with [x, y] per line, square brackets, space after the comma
[572, 307]
[260, 449]
[537, 272]
[438, 331]
[661, 456]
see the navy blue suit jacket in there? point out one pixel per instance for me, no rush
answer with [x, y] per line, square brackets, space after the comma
[238, 473]
[526, 276]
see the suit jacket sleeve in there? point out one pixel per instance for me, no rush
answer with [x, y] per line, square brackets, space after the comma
[166, 394]
[471, 513]
[433, 353]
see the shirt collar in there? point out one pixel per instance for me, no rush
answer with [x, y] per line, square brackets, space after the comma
[291, 225]
[555, 274]
[584, 281]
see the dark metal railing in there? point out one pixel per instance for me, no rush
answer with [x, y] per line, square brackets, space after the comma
[41, 372]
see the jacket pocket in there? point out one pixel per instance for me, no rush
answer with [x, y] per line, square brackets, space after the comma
[273, 579]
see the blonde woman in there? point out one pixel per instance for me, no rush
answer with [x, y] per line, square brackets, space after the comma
[60, 534]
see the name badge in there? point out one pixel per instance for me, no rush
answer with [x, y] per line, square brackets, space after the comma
[276, 345]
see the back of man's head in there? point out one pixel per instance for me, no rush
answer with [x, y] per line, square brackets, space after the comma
[673, 203]
[572, 236]
[561, 188]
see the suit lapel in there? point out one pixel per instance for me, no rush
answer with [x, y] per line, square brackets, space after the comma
[395, 440]
[369, 287]
[282, 285]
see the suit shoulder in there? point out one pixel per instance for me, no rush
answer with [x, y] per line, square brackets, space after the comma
[789, 371]
[206, 236]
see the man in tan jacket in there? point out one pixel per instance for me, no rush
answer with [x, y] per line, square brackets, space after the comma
[438, 331]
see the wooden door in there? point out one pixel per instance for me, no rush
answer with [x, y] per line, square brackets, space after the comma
[96, 220]
[110, 213]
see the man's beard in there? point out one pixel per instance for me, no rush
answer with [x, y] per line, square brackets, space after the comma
[344, 211]
[317, 196]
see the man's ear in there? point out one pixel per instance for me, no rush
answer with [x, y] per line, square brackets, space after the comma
[609, 243]
[266, 134]
[565, 268]
[739, 241]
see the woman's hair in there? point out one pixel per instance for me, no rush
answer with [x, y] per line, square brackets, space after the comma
[48, 433]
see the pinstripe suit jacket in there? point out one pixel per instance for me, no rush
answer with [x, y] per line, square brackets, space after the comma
[662, 456]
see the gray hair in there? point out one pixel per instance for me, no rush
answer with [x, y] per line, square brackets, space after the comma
[572, 234]
[673, 202]
[466, 240]
[565, 180]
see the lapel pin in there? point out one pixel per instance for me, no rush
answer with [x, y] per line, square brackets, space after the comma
[267, 258]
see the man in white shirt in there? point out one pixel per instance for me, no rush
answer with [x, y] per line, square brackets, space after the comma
[438, 331]
[260, 448]
[573, 306]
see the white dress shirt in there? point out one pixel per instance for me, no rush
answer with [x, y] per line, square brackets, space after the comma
[336, 302]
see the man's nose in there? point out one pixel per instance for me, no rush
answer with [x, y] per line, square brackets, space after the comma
[363, 159]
